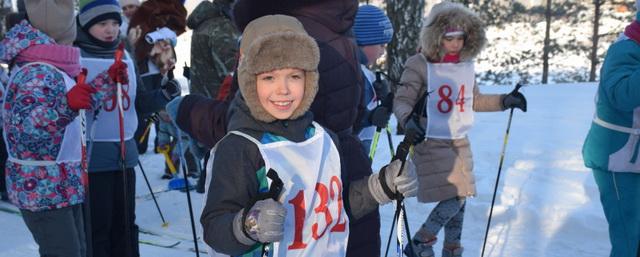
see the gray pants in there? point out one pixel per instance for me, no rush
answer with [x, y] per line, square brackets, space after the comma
[59, 232]
[448, 214]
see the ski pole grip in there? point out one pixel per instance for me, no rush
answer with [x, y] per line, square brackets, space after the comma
[518, 86]
[82, 77]
[119, 52]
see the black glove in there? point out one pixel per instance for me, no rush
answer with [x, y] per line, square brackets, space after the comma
[171, 89]
[515, 99]
[413, 131]
[379, 116]
[381, 86]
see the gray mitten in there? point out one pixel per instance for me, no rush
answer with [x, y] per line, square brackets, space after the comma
[385, 184]
[264, 223]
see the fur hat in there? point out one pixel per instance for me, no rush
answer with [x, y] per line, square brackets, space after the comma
[275, 42]
[372, 26]
[94, 11]
[54, 18]
[448, 17]
[155, 14]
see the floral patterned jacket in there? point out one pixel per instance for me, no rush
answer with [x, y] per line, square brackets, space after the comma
[35, 117]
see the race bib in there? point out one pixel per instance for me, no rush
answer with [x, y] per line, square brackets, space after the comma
[450, 100]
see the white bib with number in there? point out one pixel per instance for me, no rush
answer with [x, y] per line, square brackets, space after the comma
[316, 223]
[450, 100]
[107, 123]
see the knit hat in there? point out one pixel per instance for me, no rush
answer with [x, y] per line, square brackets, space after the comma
[274, 42]
[372, 26]
[129, 2]
[94, 11]
[54, 18]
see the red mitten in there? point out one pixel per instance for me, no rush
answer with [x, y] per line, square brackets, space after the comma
[118, 72]
[79, 97]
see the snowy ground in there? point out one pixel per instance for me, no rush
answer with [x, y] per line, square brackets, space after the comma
[547, 204]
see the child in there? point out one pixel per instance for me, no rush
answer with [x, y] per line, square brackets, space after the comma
[443, 71]
[272, 131]
[112, 200]
[45, 173]
[611, 147]
[373, 31]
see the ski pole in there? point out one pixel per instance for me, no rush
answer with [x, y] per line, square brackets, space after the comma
[388, 129]
[127, 229]
[152, 119]
[374, 144]
[495, 188]
[401, 154]
[85, 155]
[184, 173]
[144, 174]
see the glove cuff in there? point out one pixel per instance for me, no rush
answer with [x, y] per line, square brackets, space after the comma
[238, 229]
[376, 188]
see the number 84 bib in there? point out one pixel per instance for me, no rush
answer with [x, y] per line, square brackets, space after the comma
[450, 100]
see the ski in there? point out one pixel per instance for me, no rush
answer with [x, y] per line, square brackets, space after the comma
[163, 245]
[9, 208]
[165, 234]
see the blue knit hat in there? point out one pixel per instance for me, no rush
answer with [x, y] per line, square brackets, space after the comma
[372, 26]
[94, 11]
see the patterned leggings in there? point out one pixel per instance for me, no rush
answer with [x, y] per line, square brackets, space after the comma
[448, 214]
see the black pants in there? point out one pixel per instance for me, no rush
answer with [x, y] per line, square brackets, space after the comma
[107, 198]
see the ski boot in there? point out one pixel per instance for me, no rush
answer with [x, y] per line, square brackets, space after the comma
[457, 252]
[167, 175]
[420, 249]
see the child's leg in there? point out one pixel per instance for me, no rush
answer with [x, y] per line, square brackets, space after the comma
[439, 217]
[58, 232]
[453, 229]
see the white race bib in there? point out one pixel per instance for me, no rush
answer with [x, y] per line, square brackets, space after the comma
[450, 103]
[316, 223]
[106, 127]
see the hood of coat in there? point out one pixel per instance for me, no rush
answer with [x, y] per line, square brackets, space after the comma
[275, 42]
[448, 15]
[206, 10]
[338, 15]
[241, 119]
[19, 38]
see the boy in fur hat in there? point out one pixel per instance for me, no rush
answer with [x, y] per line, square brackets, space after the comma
[46, 171]
[451, 38]
[272, 132]
[611, 147]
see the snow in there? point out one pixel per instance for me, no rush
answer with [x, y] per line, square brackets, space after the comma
[547, 202]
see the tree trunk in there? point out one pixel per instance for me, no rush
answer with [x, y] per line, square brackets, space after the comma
[595, 38]
[547, 42]
[406, 17]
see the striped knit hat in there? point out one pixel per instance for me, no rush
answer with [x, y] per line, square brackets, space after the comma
[372, 26]
[94, 11]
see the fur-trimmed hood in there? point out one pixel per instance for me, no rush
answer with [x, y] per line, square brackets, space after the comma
[274, 42]
[452, 15]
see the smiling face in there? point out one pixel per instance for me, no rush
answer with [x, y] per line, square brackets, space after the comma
[453, 44]
[106, 30]
[280, 91]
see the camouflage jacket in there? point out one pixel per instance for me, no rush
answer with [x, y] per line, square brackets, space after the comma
[213, 48]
